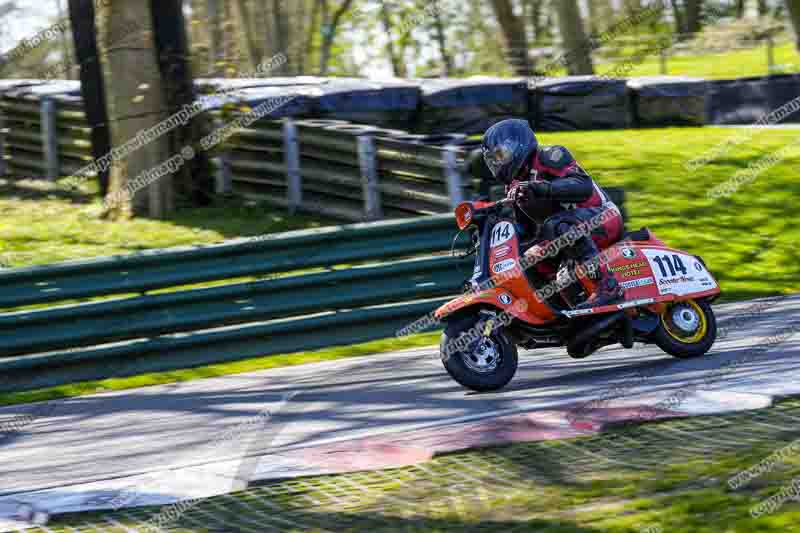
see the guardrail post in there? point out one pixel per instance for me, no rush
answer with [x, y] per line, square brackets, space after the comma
[770, 55]
[369, 178]
[222, 176]
[455, 176]
[291, 154]
[49, 138]
[662, 60]
[2, 144]
[223, 183]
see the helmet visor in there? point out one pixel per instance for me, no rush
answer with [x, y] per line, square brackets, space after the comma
[498, 157]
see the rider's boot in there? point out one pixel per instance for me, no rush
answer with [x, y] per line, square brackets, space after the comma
[603, 287]
[593, 273]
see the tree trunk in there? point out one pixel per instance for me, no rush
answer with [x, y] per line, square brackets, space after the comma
[231, 42]
[267, 21]
[216, 48]
[601, 15]
[574, 38]
[329, 32]
[135, 102]
[192, 181]
[794, 14]
[84, 39]
[441, 39]
[740, 8]
[398, 65]
[280, 18]
[514, 32]
[632, 6]
[593, 23]
[693, 8]
[243, 22]
[677, 14]
[67, 59]
[313, 28]
[295, 50]
[536, 19]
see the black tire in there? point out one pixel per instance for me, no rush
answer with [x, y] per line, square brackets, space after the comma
[691, 347]
[453, 360]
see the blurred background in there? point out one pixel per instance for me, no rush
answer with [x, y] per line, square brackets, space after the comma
[413, 38]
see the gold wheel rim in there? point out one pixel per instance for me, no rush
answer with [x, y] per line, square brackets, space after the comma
[678, 333]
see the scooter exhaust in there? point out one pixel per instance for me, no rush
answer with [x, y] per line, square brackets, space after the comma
[592, 331]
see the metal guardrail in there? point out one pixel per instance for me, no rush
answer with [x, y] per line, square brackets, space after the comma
[160, 269]
[349, 171]
[135, 313]
[188, 327]
[45, 136]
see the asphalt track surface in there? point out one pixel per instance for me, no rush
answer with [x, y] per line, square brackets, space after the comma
[112, 435]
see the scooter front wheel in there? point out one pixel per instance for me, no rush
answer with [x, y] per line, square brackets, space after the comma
[476, 361]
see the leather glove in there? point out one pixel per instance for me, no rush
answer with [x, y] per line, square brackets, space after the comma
[518, 193]
[539, 188]
[523, 191]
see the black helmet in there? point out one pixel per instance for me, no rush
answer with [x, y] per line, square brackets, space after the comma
[506, 147]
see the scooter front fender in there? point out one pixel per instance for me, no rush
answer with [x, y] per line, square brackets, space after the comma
[498, 298]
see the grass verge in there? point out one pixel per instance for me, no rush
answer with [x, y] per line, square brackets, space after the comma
[660, 477]
[41, 222]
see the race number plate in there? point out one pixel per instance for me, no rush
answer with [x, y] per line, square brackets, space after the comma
[677, 273]
[502, 232]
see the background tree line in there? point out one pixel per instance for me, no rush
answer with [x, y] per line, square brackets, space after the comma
[405, 38]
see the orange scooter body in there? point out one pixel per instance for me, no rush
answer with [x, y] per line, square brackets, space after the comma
[508, 288]
[650, 272]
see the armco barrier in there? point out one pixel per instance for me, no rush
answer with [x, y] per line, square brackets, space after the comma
[127, 335]
[406, 276]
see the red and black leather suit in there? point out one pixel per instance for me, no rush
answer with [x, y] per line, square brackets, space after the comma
[562, 195]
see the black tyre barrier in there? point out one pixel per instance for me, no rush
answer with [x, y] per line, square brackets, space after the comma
[322, 122]
[352, 129]
[747, 100]
[433, 140]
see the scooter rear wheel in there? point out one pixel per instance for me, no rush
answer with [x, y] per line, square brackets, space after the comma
[477, 362]
[687, 329]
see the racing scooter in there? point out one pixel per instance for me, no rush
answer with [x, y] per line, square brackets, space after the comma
[508, 302]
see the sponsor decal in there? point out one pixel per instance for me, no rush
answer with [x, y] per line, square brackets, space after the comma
[502, 251]
[502, 266]
[631, 273]
[634, 303]
[641, 282]
[673, 281]
[578, 312]
[629, 266]
[504, 298]
[698, 266]
[628, 253]
[468, 215]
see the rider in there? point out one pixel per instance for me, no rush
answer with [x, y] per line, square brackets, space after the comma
[558, 196]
